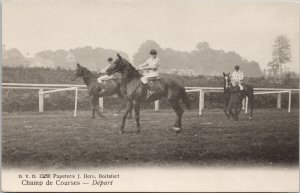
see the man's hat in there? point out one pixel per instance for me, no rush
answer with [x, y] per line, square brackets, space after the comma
[109, 59]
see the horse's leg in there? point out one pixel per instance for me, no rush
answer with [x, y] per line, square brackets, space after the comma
[99, 113]
[137, 115]
[226, 103]
[226, 109]
[93, 107]
[241, 104]
[128, 109]
[96, 107]
[129, 115]
[230, 111]
[179, 111]
[236, 112]
[251, 102]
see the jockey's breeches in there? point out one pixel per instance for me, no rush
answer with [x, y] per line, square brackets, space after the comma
[104, 77]
[148, 76]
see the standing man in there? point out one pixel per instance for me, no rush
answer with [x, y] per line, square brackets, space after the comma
[150, 70]
[236, 77]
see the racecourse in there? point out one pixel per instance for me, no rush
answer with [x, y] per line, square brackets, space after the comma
[58, 140]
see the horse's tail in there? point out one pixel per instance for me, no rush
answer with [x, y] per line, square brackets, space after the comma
[186, 99]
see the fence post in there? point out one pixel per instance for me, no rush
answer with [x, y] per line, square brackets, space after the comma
[243, 104]
[200, 102]
[41, 101]
[202, 99]
[76, 97]
[290, 101]
[156, 105]
[101, 104]
[246, 105]
[279, 101]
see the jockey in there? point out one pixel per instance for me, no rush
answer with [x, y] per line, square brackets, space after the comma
[150, 70]
[105, 77]
[236, 77]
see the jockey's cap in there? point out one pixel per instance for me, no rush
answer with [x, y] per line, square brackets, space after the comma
[109, 59]
[153, 52]
[237, 67]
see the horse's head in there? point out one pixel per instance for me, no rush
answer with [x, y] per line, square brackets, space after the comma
[79, 72]
[226, 80]
[116, 66]
[119, 65]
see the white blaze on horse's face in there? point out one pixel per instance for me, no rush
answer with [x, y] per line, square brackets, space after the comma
[226, 81]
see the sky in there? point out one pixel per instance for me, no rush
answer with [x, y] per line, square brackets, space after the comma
[246, 27]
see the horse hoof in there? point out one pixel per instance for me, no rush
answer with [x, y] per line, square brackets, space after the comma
[121, 132]
[177, 129]
[250, 117]
[93, 117]
[116, 114]
[129, 118]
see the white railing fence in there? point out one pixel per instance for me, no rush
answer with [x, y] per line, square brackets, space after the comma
[51, 88]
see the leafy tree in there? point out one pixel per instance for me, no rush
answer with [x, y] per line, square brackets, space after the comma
[202, 46]
[202, 60]
[281, 54]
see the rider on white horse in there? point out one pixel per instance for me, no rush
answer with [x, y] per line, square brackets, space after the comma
[236, 77]
[150, 70]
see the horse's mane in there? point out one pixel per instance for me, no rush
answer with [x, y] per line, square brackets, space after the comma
[88, 72]
[134, 73]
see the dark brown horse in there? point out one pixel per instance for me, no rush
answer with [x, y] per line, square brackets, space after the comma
[228, 88]
[111, 87]
[234, 103]
[136, 91]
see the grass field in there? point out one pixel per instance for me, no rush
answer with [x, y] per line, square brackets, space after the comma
[57, 140]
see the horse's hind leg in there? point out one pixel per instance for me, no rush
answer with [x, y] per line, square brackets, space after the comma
[128, 109]
[137, 116]
[95, 102]
[179, 111]
[93, 108]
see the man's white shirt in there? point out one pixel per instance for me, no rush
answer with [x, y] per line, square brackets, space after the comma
[152, 63]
